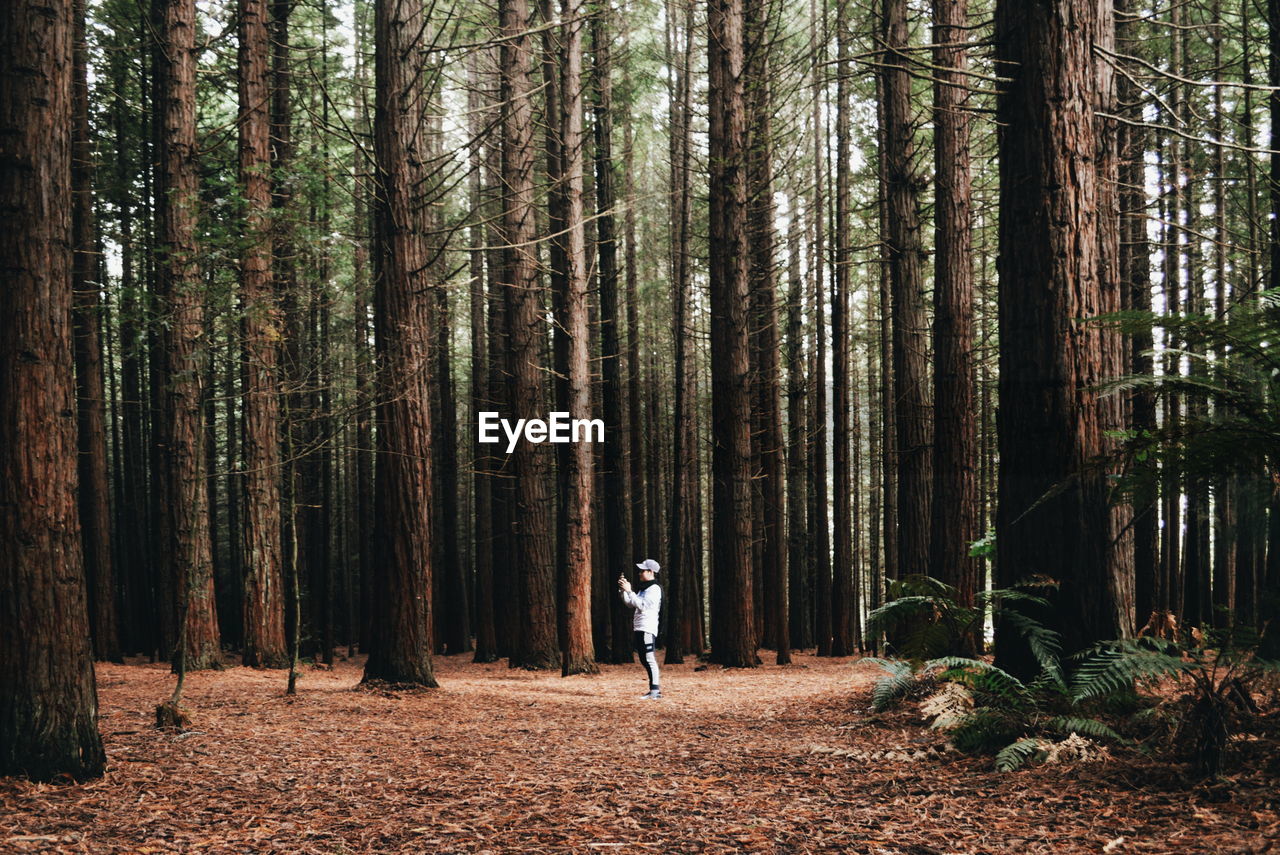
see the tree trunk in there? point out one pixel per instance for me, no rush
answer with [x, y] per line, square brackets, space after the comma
[954, 521]
[906, 285]
[842, 641]
[262, 329]
[94, 491]
[184, 503]
[402, 323]
[733, 641]
[133, 534]
[797, 447]
[683, 566]
[482, 463]
[772, 599]
[578, 645]
[820, 544]
[619, 544]
[535, 647]
[1054, 517]
[48, 709]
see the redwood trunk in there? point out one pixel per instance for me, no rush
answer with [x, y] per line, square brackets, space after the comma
[535, 646]
[48, 709]
[578, 644]
[906, 285]
[955, 451]
[620, 538]
[262, 552]
[184, 507]
[842, 641]
[402, 319]
[95, 491]
[1054, 517]
[733, 640]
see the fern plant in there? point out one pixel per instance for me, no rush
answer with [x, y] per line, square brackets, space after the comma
[1217, 677]
[1007, 716]
[926, 619]
[1234, 376]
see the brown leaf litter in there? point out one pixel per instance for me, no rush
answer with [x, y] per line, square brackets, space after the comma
[772, 759]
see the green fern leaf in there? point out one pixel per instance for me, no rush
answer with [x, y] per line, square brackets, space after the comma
[1017, 755]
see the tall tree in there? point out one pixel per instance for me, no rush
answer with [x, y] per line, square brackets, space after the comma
[184, 505]
[402, 320]
[262, 552]
[536, 646]
[94, 493]
[733, 638]
[954, 520]
[797, 440]
[767, 409]
[48, 709]
[1054, 516]
[842, 604]
[578, 646]
[819, 510]
[618, 533]
[486, 640]
[684, 567]
[906, 285]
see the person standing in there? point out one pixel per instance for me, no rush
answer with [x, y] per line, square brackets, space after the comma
[647, 603]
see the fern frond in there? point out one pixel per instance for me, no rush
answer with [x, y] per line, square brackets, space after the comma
[1116, 668]
[1017, 755]
[903, 609]
[1046, 645]
[897, 682]
[980, 676]
[1090, 727]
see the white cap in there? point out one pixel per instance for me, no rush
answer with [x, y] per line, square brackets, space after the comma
[649, 564]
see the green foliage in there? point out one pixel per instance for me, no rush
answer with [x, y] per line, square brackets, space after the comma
[1017, 754]
[1215, 675]
[1010, 718]
[926, 619]
[1090, 727]
[1240, 431]
[898, 680]
[984, 547]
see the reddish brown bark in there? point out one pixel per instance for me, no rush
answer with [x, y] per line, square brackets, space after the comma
[733, 638]
[48, 708]
[912, 415]
[94, 491]
[1054, 516]
[620, 538]
[264, 595]
[536, 646]
[402, 326]
[771, 604]
[578, 645]
[184, 509]
[954, 521]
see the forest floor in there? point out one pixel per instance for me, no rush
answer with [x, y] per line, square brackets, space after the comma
[774, 759]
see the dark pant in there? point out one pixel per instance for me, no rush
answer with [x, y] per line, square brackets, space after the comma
[645, 645]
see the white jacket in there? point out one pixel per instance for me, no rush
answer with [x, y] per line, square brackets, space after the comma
[647, 603]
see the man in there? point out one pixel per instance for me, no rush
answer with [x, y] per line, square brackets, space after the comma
[647, 603]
